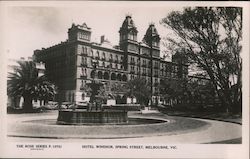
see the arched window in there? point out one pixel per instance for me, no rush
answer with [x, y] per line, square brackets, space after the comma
[103, 56]
[118, 99]
[92, 75]
[83, 96]
[119, 77]
[99, 75]
[117, 58]
[106, 76]
[97, 54]
[124, 78]
[82, 85]
[111, 57]
[92, 53]
[124, 99]
[113, 76]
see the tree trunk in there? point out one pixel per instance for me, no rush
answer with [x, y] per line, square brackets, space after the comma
[27, 107]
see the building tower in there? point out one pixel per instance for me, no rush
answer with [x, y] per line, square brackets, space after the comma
[152, 39]
[128, 38]
[128, 35]
[79, 32]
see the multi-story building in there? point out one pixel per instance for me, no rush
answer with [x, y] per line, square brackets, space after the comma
[70, 64]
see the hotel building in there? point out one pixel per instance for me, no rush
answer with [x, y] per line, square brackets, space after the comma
[70, 64]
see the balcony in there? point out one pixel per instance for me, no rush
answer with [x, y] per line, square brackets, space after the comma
[84, 64]
[110, 60]
[156, 75]
[116, 61]
[156, 84]
[132, 63]
[144, 74]
[156, 67]
[83, 76]
[84, 54]
[132, 72]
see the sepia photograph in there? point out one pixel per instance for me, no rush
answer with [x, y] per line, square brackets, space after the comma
[125, 79]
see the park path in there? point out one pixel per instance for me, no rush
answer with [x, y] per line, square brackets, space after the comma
[213, 131]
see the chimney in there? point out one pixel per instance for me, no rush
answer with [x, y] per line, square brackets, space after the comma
[102, 39]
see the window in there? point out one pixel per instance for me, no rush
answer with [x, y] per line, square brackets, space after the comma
[144, 63]
[83, 96]
[84, 61]
[162, 72]
[135, 37]
[85, 50]
[111, 58]
[82, 50]
[144, 71]
[132, 61]
[130, 36]
[92, 53]
[98, 55]
[117, 59]
[132, 76]
[132, 68]
[103, 56]
[149, 63]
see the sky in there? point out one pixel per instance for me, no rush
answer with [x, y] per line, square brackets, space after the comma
[33, 27]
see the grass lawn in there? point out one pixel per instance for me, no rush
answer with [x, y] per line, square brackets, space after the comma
[234, 118]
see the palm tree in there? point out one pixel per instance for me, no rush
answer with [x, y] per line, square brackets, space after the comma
[25, 82]
[138, 88]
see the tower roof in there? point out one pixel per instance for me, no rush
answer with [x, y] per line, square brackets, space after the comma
[151, 34]
[152, 31]
[81, 27]
[128, 24]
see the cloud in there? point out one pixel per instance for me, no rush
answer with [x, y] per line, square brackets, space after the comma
[45, 18]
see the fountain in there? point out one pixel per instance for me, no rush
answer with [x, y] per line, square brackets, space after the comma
[95, 113]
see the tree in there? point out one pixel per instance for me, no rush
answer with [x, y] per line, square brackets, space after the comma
[138, 88]
[173, 90]
[26, 83]
[192, 92]
[211, 38]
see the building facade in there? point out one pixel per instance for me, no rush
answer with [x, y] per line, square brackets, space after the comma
[70, 64]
